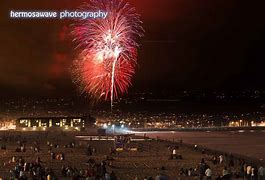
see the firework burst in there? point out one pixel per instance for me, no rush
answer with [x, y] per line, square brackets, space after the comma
[108, 57]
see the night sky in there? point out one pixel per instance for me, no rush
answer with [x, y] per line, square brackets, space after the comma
[187, 45]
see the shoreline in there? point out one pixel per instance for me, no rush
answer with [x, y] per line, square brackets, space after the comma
[202, 129]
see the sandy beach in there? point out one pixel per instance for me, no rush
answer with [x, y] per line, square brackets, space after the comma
[145, 162]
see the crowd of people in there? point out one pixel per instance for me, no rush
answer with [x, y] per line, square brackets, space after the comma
[93, 169]
[23, 170]
[244, 170]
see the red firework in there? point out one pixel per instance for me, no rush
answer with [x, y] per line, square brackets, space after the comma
[108, 57]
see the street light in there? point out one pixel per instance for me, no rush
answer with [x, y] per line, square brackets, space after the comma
[113, 127]
[105, 126]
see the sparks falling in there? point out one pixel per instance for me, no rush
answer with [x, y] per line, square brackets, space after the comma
[108, 57]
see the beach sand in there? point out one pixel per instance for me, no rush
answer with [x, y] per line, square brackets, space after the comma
[147, 161]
